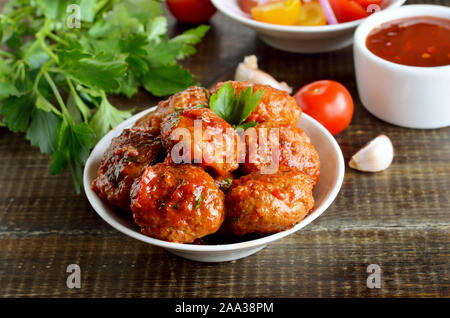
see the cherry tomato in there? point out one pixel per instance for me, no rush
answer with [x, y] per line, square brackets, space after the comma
[191, 11]
[366, 3]
[348, 10]
[329, 102]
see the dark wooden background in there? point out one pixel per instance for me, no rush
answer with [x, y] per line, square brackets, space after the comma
[398, 219]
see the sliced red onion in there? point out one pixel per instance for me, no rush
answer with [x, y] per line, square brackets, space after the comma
[329, 14]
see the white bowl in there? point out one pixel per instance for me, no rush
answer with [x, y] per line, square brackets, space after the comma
[299, 39]
[408, 96]
[332, 174]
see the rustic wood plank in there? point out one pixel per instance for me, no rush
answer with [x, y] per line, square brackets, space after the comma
[311, 263]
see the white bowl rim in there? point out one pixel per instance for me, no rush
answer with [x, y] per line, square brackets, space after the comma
[406, 11]
[93, 199]
[298, 28]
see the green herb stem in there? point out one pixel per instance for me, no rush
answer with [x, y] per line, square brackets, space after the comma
[74, 92]
[46, 49]
[100, 5]
[56, 38]
[7, 54]
[40, 36]
[43, 69]
[36, 83]
[58, 98]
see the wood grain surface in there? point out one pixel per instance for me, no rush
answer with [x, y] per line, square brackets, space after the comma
[398, 219]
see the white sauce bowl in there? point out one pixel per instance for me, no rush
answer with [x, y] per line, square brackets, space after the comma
[407, 96]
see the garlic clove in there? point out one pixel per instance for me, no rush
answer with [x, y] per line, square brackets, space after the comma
[377, 155]
[248, 71]
[251, 61]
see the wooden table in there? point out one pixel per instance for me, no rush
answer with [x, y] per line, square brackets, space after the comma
[398, 219]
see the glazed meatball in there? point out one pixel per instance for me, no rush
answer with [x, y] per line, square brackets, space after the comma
[270, 203]
[177, 203]
[193, 96]
[295, 151]
[124, 161]
[213, 147]
[150, 123]
[274, 105]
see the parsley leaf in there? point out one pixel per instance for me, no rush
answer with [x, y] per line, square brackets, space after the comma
[245, 126]
[106, 117]
[166, 80]
[77, 103]
[73, 147]
[7, 88]
[128, 86]
[34, 55]
[99, 71]
[224, 184]
[189, 38]
[247, 103]
[142, 10]
[134, 44]
[163, 53]
[43, 130]
[43, 104]
[199, 201]
[88, 10]
[54, 9]
[16, 112]
[156, 28]
[224, 103]
[235, 109]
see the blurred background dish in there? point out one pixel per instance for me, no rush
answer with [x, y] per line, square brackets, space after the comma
[299, 38]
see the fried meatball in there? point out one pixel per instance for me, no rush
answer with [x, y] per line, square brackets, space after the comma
[268, 203]
[295, 151]
[177, 203]
[274, 105]
[150, 123]
[190, 97]
[213, 147]
[124, 161]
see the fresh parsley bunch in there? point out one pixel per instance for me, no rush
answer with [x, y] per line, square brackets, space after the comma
[54, 79]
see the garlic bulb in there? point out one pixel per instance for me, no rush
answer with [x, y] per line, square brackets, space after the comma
[248, 71]
[376, 156]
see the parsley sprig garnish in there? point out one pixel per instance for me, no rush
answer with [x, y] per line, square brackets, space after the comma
[235, 109]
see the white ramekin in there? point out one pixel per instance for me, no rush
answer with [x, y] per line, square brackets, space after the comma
[407, 96]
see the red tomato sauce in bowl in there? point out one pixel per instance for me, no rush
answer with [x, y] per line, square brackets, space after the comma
[416, 41]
